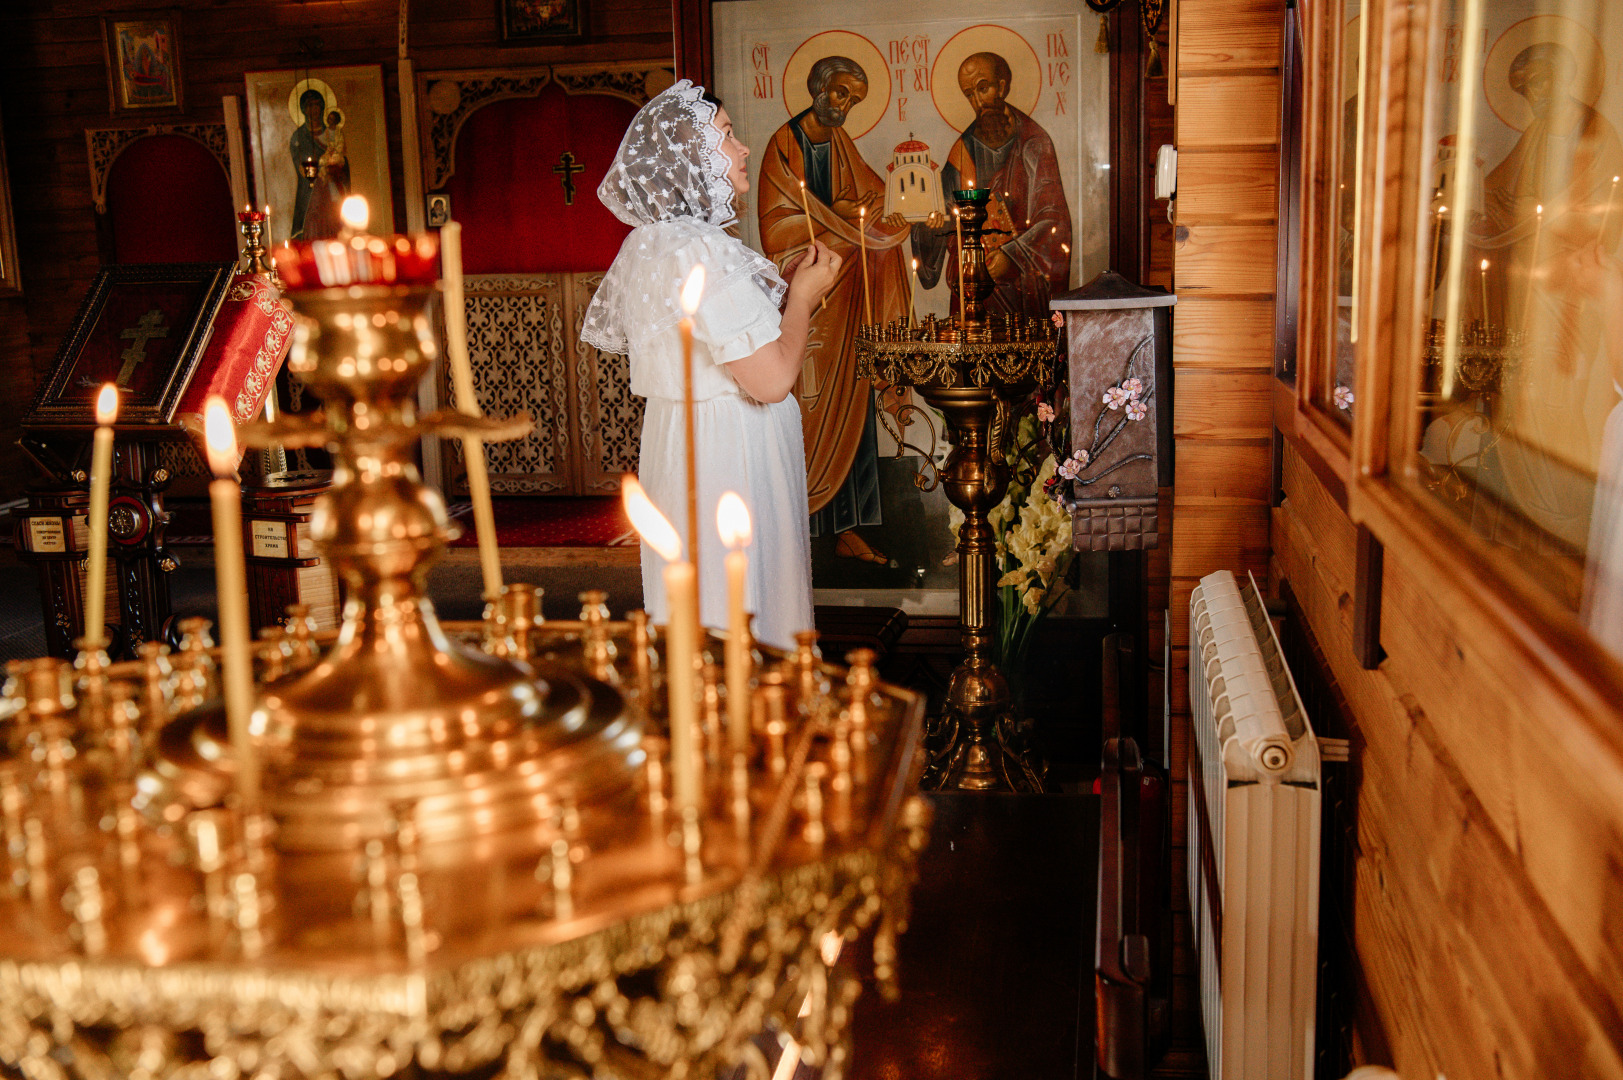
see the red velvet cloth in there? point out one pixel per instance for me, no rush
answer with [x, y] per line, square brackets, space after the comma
[169, 200]
[251, 337]
[510, 201]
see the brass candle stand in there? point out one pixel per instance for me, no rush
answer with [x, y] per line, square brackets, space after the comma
[973, 369]
[464, 860]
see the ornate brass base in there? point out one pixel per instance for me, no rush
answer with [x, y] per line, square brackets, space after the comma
[976, 744]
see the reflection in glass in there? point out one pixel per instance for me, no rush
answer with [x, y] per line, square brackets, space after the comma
[1336, 392]
[1522, 431]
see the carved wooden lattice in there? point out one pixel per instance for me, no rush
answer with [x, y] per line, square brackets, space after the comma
[517, 352]
[609, 416]
[525, 350]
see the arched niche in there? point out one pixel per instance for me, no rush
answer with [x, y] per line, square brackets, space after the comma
[162, 194]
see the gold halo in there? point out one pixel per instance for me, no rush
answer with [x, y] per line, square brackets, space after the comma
[797, 99]
[1025, 87]
[298, 91]
[1510, 106]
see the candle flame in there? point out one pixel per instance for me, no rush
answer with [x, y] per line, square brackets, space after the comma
[1539, 209]
[654, 528]
[107, 404]
[693, 291]
[862, 211]
[915, 266]
[220, 436]
[1065, 248]
[1484, 266]
[1441, 210]
[356, 214]
[733, 521]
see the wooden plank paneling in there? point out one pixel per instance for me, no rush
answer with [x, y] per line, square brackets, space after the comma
[1242, 34]
[1221, 538]
[1219, 259]
[1227, 185]
[1228, 110]
[1220, 473]
[1221, 331]
[1490, 838]
[1215, 404]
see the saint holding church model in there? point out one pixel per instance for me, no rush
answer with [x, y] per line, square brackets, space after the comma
[677, 179]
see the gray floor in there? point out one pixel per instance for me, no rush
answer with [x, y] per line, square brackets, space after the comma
[453, 585]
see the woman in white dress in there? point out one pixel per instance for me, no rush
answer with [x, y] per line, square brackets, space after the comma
[677, 180]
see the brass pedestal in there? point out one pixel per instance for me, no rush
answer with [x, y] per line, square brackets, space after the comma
[975, 745]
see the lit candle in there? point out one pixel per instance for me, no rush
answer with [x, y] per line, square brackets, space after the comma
[913, 294]
[101, 475]
[811, 237]
[1483, 278]
[355, 213]
[691, 293]
[681, 638]
[231, 582]
[862, 230]
[1532, 266]
[1437, 241]
[733, 523]
[473, 448]
[958, 227]
[1606, 215]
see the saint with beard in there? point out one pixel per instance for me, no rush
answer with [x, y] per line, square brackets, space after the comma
[1028, 224]
[837, 408]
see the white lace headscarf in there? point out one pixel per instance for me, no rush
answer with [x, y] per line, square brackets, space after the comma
[669, 182]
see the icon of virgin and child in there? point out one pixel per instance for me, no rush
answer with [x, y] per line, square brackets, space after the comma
[320, 160]
[1028, 253]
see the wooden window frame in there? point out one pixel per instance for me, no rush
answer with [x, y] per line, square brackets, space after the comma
[1323, 439]
[1519, 623]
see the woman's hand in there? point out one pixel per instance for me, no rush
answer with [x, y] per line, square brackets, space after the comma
[815, 275]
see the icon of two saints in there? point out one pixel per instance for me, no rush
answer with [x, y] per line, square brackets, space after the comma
[1028, 242]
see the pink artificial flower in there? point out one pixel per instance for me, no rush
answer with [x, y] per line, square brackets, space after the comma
[1115, 397]
[1344, 398]
[1045, 412]
[1058, 320]
[1135, 409]
[1133, 387]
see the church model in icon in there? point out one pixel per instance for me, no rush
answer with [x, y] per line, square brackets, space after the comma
[914, 187]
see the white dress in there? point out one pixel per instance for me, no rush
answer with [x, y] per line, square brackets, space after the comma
[742, 445]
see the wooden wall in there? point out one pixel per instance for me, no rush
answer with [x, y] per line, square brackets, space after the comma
[1488, 909]
[54, 86]
[1227, 119]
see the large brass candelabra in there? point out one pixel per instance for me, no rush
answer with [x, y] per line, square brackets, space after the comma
[973, 369]
[465, 859]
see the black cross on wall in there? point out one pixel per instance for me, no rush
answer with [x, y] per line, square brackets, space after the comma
[566, 170]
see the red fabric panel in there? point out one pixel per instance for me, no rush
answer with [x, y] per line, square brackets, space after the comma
[250, 340]
[509, 200]
[170, 201]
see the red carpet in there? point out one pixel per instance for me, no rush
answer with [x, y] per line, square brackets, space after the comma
[551, 522]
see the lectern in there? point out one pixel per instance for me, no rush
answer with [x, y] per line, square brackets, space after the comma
[168, 336]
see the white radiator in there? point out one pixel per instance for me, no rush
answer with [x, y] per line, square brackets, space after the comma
[1253, 840]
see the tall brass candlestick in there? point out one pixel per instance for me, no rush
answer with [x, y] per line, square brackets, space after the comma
[733, 524]
[691, 293]
[101, 476]
[231, 581]
[473, 448]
